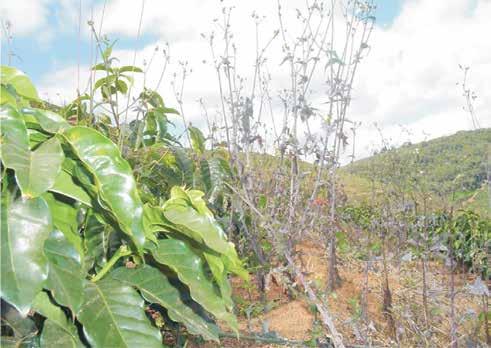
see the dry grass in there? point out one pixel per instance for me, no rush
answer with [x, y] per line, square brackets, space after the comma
[293, 319]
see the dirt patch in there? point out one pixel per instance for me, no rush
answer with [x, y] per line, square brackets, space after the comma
[294, 320]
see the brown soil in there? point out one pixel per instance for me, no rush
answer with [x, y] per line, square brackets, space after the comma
[292, 318]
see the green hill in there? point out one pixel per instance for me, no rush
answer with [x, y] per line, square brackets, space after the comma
[454, 165]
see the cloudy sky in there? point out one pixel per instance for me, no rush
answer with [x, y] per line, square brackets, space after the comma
[408, 81]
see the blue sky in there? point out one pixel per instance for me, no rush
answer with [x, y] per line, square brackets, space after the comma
[408, 79]
[387, 10]
[36, 57]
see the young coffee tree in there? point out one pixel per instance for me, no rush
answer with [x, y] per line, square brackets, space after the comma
[82, 257]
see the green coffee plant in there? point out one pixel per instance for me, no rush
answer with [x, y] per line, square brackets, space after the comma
[82, 256]
[465, 233]
[472, 234]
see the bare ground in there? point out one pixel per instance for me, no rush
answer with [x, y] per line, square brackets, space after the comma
[293, 318]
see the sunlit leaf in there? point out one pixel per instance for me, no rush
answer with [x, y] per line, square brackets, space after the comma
[129, 68]
[65, 276]
[7, 96]
[20, 81]
[189, 267]
[58, 331]
[197, 140]
[24, 268]
[201, 226]
[14, 143]
[113, 316]
[105, 81]
[113, 178]
[96, 241]
[36, 170]
[66, 186]
[49, 121]
[122, 86]
[65, 219]
[219, 272]
[156, 288]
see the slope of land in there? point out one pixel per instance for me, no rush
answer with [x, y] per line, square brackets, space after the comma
[452, 166]
[288, 315]
[456, 163]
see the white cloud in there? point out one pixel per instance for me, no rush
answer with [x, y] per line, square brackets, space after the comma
[122, 17]
[60, 86]
[44, 20]
[408, 79]
[411, 74]
[15, 12]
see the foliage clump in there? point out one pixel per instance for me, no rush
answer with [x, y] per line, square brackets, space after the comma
[86, 261]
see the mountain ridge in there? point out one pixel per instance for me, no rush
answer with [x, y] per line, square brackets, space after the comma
[456, 167]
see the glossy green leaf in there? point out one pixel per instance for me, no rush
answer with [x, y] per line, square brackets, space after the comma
[233, 264]
[152, 97]
[58, 331]
[16, 78]
[154, 219]
[102, 66]
[44, 166]
[220, 173]
[129, 68]
[14, 144]
[65, 219]
[156, 128]
[182, 211]
[163, 123]
[167, 110]
[185, 165]
[36, 137]
[197, 140]
[24, 268]
[113, 316]
[220, 274]
[229, 254]
[189, 267]
[65, 275]
[104, 81]
[54, 335]
[156, 288]
[49, 121]
[204, 169]
[7, 96]
[150, 124]
[121, 86]
[107, 91]
[186, 212]
[66, 186]
[35, 171]
[96, 241]
[113, 178]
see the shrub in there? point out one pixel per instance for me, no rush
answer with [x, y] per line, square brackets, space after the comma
[82, 257]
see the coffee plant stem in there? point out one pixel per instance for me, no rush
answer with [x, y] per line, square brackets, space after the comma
[121, 252]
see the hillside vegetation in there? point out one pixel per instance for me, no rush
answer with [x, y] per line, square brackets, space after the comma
[453, 167]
